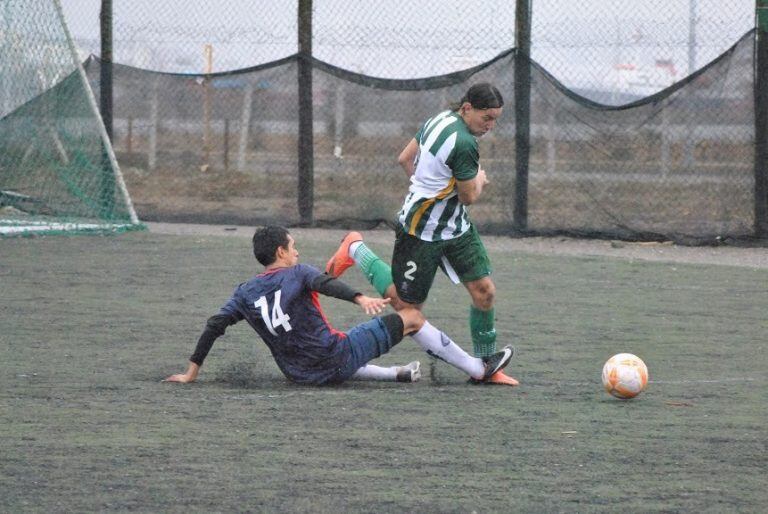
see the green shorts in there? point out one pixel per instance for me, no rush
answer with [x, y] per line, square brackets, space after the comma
[415, 262]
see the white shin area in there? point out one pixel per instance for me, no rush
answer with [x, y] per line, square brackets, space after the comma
[373, 372]
[439, 345]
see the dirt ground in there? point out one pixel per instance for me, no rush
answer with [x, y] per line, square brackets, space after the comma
[756, 258]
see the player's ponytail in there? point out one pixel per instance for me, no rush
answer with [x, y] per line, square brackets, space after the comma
[483, 95]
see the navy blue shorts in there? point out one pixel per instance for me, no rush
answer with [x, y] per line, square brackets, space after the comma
[368, 341]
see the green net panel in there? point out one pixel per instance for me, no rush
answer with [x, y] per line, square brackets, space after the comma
[57, 170]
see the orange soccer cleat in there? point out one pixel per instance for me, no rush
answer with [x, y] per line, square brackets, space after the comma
[494, 364]
[341, 261]
[499, 378]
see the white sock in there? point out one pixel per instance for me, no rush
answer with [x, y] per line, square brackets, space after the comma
[353, 248]
[439, 345]
[373, 372]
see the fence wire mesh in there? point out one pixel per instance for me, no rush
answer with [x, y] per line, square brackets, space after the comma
[604, 48]
[222, 147]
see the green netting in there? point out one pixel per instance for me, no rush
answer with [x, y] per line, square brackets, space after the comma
[222, 148]
[57, 170]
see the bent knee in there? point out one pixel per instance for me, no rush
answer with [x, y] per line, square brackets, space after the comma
[413, 320]
[483, 294]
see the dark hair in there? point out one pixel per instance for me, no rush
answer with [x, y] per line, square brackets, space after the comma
[266, 241]
[483, 95]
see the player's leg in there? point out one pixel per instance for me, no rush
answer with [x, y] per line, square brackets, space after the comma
[410, 372]
[353, 250]
[437, 344]
[395, 327]
[370, 340]
[374, 338]
[414, 264]
[467, 258]
[482, 315]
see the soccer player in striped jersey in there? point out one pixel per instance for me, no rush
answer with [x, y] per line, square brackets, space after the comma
[443, 164]
[281, 304]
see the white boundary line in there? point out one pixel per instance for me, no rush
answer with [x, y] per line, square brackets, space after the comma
[40, 227]
[715, 381]
[675, 382]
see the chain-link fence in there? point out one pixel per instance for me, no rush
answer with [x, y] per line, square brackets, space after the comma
[222, 146]
[604, 49]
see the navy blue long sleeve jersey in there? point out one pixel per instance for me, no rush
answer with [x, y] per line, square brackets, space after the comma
[282, 307]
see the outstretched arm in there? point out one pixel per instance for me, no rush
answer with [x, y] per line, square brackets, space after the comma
[214, 328]
[329, 286]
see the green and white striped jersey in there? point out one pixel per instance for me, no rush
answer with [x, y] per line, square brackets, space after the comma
[447, 152]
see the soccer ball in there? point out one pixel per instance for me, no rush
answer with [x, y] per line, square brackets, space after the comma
[625, 375]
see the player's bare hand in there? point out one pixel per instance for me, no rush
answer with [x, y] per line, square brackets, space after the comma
[189, 376]
[371, 306]
[180, 377]
[482, 176]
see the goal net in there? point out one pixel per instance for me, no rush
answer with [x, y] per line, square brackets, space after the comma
[58, 172]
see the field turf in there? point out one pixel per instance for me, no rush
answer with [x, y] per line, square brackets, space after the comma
[90, 325]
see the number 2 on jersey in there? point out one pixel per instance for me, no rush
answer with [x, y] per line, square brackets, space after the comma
[278, 318]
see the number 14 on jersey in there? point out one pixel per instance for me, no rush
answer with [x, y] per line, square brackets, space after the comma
[278, 318]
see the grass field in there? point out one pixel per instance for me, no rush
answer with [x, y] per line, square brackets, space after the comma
[90, 325]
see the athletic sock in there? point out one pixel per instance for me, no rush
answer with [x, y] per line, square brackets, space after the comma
[481, 326]
[373, 372]
[378, 273]
[439, 345]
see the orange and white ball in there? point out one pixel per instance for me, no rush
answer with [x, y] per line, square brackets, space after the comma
[625, 375]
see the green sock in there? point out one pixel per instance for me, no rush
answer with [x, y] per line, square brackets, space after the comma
[481, 326]
[378, 272]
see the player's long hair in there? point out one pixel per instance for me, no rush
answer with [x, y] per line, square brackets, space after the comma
[482, 95]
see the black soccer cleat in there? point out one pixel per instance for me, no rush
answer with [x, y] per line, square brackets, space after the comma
[497, 362]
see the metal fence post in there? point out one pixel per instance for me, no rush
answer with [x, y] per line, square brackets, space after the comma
[761, 121]
[522, 111]
[305, 147]
[105, 106]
